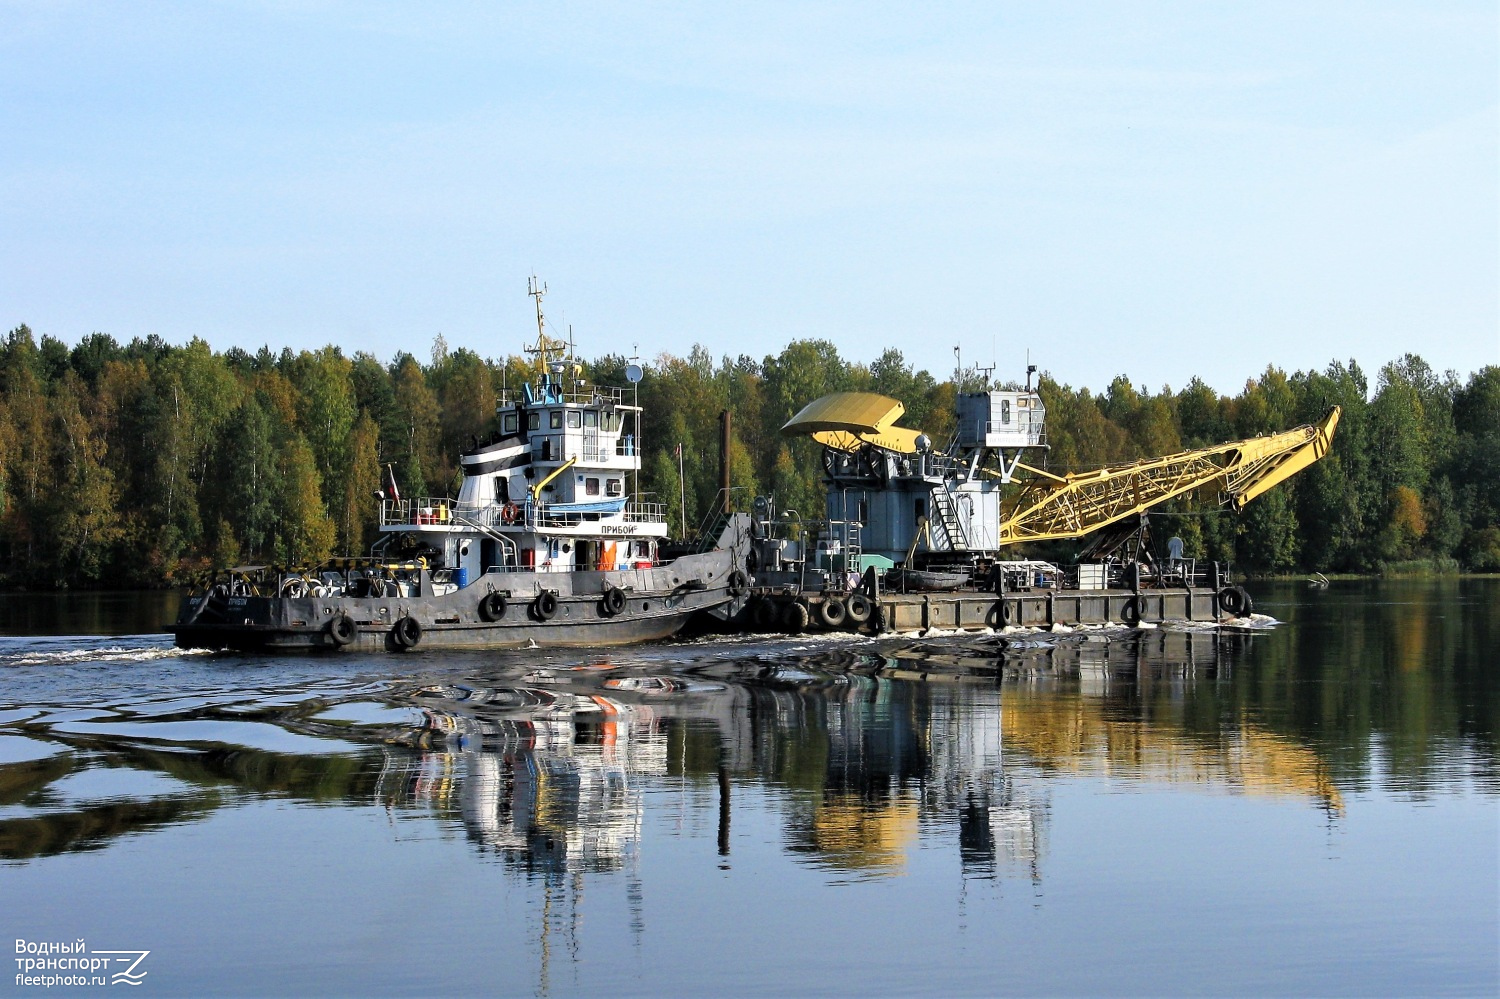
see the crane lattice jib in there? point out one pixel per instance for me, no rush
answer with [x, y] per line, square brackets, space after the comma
[1053, 507]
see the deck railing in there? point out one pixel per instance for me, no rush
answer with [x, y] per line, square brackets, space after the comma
[443, 511]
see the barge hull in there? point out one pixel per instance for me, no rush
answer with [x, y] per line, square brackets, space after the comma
[972, 610]
[980, 611]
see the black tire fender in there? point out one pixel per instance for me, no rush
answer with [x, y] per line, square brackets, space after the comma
[737, 583]
[765, 614]
[795, 617]
[492, 607]
[407, 632]
[342, 630]
[1130, 611]
[832, 612]
[1232, 601]
[613, 600]
[544, 606]
[859, 608]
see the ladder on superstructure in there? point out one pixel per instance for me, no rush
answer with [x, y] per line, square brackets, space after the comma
[944, 507]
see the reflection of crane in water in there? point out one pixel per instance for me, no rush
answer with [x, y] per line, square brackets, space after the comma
[900, 761]
[1107, 721]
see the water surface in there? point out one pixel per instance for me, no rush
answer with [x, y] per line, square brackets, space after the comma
[1304, 809]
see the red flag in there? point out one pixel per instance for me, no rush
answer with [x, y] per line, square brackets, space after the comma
[395, 493]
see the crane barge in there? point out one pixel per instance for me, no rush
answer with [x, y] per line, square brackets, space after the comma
[918, 537]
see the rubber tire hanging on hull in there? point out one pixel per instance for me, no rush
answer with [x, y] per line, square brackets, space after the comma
[794, 618]
[765, 614]
[613, 600]
[544, 606]
[1130, 612]
[859, 608]
[407, 632]
[1235, 601]
[832, 612]
[492, 607]
[737, 583]
[342, 630]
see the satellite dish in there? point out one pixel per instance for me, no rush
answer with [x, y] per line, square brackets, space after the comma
[633, 373]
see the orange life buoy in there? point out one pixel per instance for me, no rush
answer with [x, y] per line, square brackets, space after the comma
[510, 513]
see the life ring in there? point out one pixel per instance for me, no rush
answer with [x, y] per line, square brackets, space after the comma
[1130, 611]
[342, 630]
[795, 617]
[407, 632]
[765, 614]
[510, 513]
[737, 583]
[613, 600]
[859, 607]
[544, 606]
[1232, 601]
[492, 607]
[832, 612]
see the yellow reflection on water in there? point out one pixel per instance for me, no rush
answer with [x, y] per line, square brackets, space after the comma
[858, 835]
[1072, 733]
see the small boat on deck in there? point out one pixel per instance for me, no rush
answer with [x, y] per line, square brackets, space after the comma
[904, 580]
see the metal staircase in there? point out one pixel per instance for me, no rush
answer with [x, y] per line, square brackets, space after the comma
[945, 514]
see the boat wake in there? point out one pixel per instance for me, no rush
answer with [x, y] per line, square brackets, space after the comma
[69, 651]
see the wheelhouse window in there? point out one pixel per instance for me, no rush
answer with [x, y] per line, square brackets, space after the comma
[590, 418]
[591, 487]
[614, 487]
[573, 421]
[556, 419]
[508, 424]
[533, 421]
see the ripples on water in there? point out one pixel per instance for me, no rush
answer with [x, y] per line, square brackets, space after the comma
[1304, 808]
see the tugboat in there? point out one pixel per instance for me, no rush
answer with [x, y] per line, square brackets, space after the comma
[547, 544]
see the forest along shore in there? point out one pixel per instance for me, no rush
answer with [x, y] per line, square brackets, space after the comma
[141, 464]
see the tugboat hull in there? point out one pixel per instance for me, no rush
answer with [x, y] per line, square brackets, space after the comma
[499, 610]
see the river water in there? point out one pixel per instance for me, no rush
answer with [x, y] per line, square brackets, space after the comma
[1310, 807]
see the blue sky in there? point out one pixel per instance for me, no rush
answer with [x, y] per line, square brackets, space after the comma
[1159, 190]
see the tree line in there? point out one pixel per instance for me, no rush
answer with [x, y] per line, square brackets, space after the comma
[139, 464]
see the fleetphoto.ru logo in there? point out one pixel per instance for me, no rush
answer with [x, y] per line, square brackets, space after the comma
[73, 964]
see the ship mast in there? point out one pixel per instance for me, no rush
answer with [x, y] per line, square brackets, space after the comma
[546, 347]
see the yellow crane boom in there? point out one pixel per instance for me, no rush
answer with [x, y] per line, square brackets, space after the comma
[1052, 507]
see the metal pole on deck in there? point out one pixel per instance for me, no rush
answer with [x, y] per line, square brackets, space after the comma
[725, 435]
[682, 492]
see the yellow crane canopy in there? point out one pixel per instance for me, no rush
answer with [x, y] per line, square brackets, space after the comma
[846, 420]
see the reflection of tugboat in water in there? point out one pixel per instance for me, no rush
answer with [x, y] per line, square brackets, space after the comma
[544, 544]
